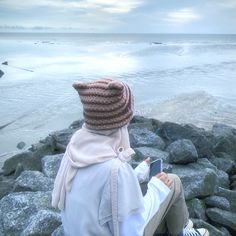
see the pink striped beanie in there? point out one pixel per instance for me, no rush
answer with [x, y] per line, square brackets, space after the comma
[107, 103]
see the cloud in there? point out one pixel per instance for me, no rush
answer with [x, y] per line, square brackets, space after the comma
[182, 16]
[227, 4]
[111, 6]
[79, 15]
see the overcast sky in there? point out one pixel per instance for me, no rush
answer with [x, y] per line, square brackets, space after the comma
[119, 16]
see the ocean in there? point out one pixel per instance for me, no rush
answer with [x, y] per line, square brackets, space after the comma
[175, 77]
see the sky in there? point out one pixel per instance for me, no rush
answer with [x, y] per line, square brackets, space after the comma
[119, 16]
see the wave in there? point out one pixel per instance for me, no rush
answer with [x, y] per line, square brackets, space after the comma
[181, 48]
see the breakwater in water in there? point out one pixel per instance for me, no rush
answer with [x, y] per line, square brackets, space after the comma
[204, 160]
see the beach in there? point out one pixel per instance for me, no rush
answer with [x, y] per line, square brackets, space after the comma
[179, 78]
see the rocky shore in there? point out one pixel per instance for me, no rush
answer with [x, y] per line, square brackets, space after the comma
[204, 160]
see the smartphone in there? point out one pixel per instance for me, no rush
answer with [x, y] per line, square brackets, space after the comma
[155, 167]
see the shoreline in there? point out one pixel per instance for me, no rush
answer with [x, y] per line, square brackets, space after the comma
[198, 108]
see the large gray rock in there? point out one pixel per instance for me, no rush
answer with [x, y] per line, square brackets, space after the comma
[216, 201]
[16, 209]
[50, 165]
[59, 231]
[63, 136]
[221, 130]
[33, 181]
[6, 186]
[222, 217]
[26, 159]
[225, 164]
[140, 119]
[229, 195]
[201, 139]
[43, 223]
[146, 125]
[225, 139]
[143, 152]
[197, 182]
[196, 209]
[41, 149]
[182, 152]
[222, 177]
[145, 137]
[212, 230]
[140, 122]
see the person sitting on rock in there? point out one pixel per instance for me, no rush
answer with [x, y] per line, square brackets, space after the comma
[96, 188]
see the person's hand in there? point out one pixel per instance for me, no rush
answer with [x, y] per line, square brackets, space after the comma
[148, 160]
[165, 179]
[142, 170]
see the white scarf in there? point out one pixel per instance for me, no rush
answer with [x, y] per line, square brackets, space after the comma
[85, 148]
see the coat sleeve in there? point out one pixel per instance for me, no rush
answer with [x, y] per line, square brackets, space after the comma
[134, 224]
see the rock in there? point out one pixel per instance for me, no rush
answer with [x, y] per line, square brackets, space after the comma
[222, 179]
[5, 63]
[224, 231]
[212, 230]
[233, 178]
[57, 141]
[182, 152]
[225, 164]
[147, 125]
[33, 181]
[216, 201]
[41, 149]
[201, 139]
[233, 182]
[6, 186]
[1, 73]
[19, 170]
[233, 185]
[143, 152]
[76, 124]
[63, 136]
[27, 160]
[43, 223]
[16, 209]
[221, 130]
[140, 122]
[21, 145]
[59, 231]
[197, 182]
[156, 124]
[140, 119]
[145, 137]
[50, 165]
[229, 195]
[222, 217]
[225, 139]
[197, 209]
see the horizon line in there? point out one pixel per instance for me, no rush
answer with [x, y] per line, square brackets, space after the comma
[66, 32]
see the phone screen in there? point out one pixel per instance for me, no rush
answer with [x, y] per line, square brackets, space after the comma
[155, 168]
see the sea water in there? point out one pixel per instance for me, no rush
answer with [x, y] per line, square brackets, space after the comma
[175, 77]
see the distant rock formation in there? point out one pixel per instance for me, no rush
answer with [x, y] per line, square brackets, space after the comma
[1, 73]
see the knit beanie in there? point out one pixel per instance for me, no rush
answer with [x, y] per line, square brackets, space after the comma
[107, 104]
